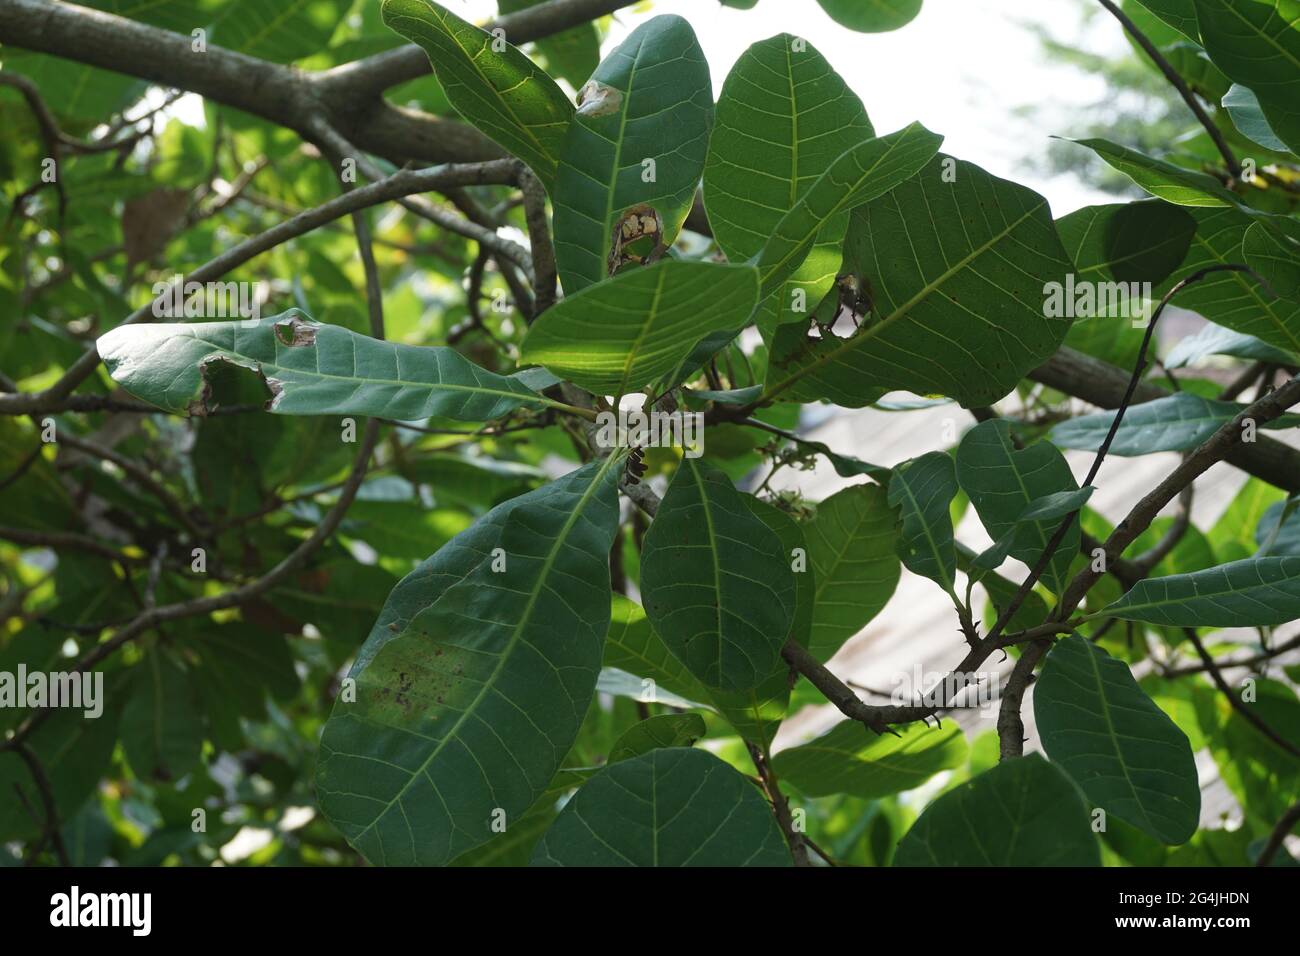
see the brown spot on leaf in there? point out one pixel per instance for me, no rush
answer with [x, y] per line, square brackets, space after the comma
[637, 238]
[295, 332]
[599, 99]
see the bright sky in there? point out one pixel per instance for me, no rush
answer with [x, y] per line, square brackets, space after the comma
[963, 68]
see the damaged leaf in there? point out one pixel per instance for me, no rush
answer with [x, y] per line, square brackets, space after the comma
[475, 679]
[309, 369]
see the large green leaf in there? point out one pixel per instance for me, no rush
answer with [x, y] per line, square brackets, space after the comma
[872, 16]
[309, 368]
[851, 759]
[1023, 812]
[1234, 299]
[475, 679]
[1272, 248]
[1176, 422]
[923, 490]
[784, 116]
[1098, 725]
[956, 311]
[1254, 592]
[1003, 480]
[619, 336]
[670, 807]
[1257, 43]
[650, 99]
[851, 547]
[490, 83]
[862, 173]
[716, 581]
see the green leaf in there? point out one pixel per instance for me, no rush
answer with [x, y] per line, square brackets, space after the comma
[1257, 43]
[851, 759]
[866, 171]
[716, 581]
[664, 730]
[572, 55]
[1130, 242]
[1254, 592]
[957, 312]
[1184, 187]
[1051, 507]
[650, 99]
[503, 93]
[1216, 340]
[1179, 14]
[1099, 726]
[1272, 248]
[279, 30]
[1234, 299]
[1248, 116]
[923, 490]
[1285, 540]
[309, 369]
[1023, 812]
[872, 16]
[1003, 480]
[162, 732]
[619, 336]
[673, 807]
[1176, 422]
[476, 678]
[851, 547]
[784, 116]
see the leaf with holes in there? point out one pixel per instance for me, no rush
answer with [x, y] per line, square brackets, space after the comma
[716, 581]
[956, 311]
[475, 679]
[784, 116]
[860, 174]
[309, 369]
[638, 140]
[1102, 729]
[671, 807]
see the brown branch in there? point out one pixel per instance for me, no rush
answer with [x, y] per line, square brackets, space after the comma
[780, 806]
[1011, 726]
